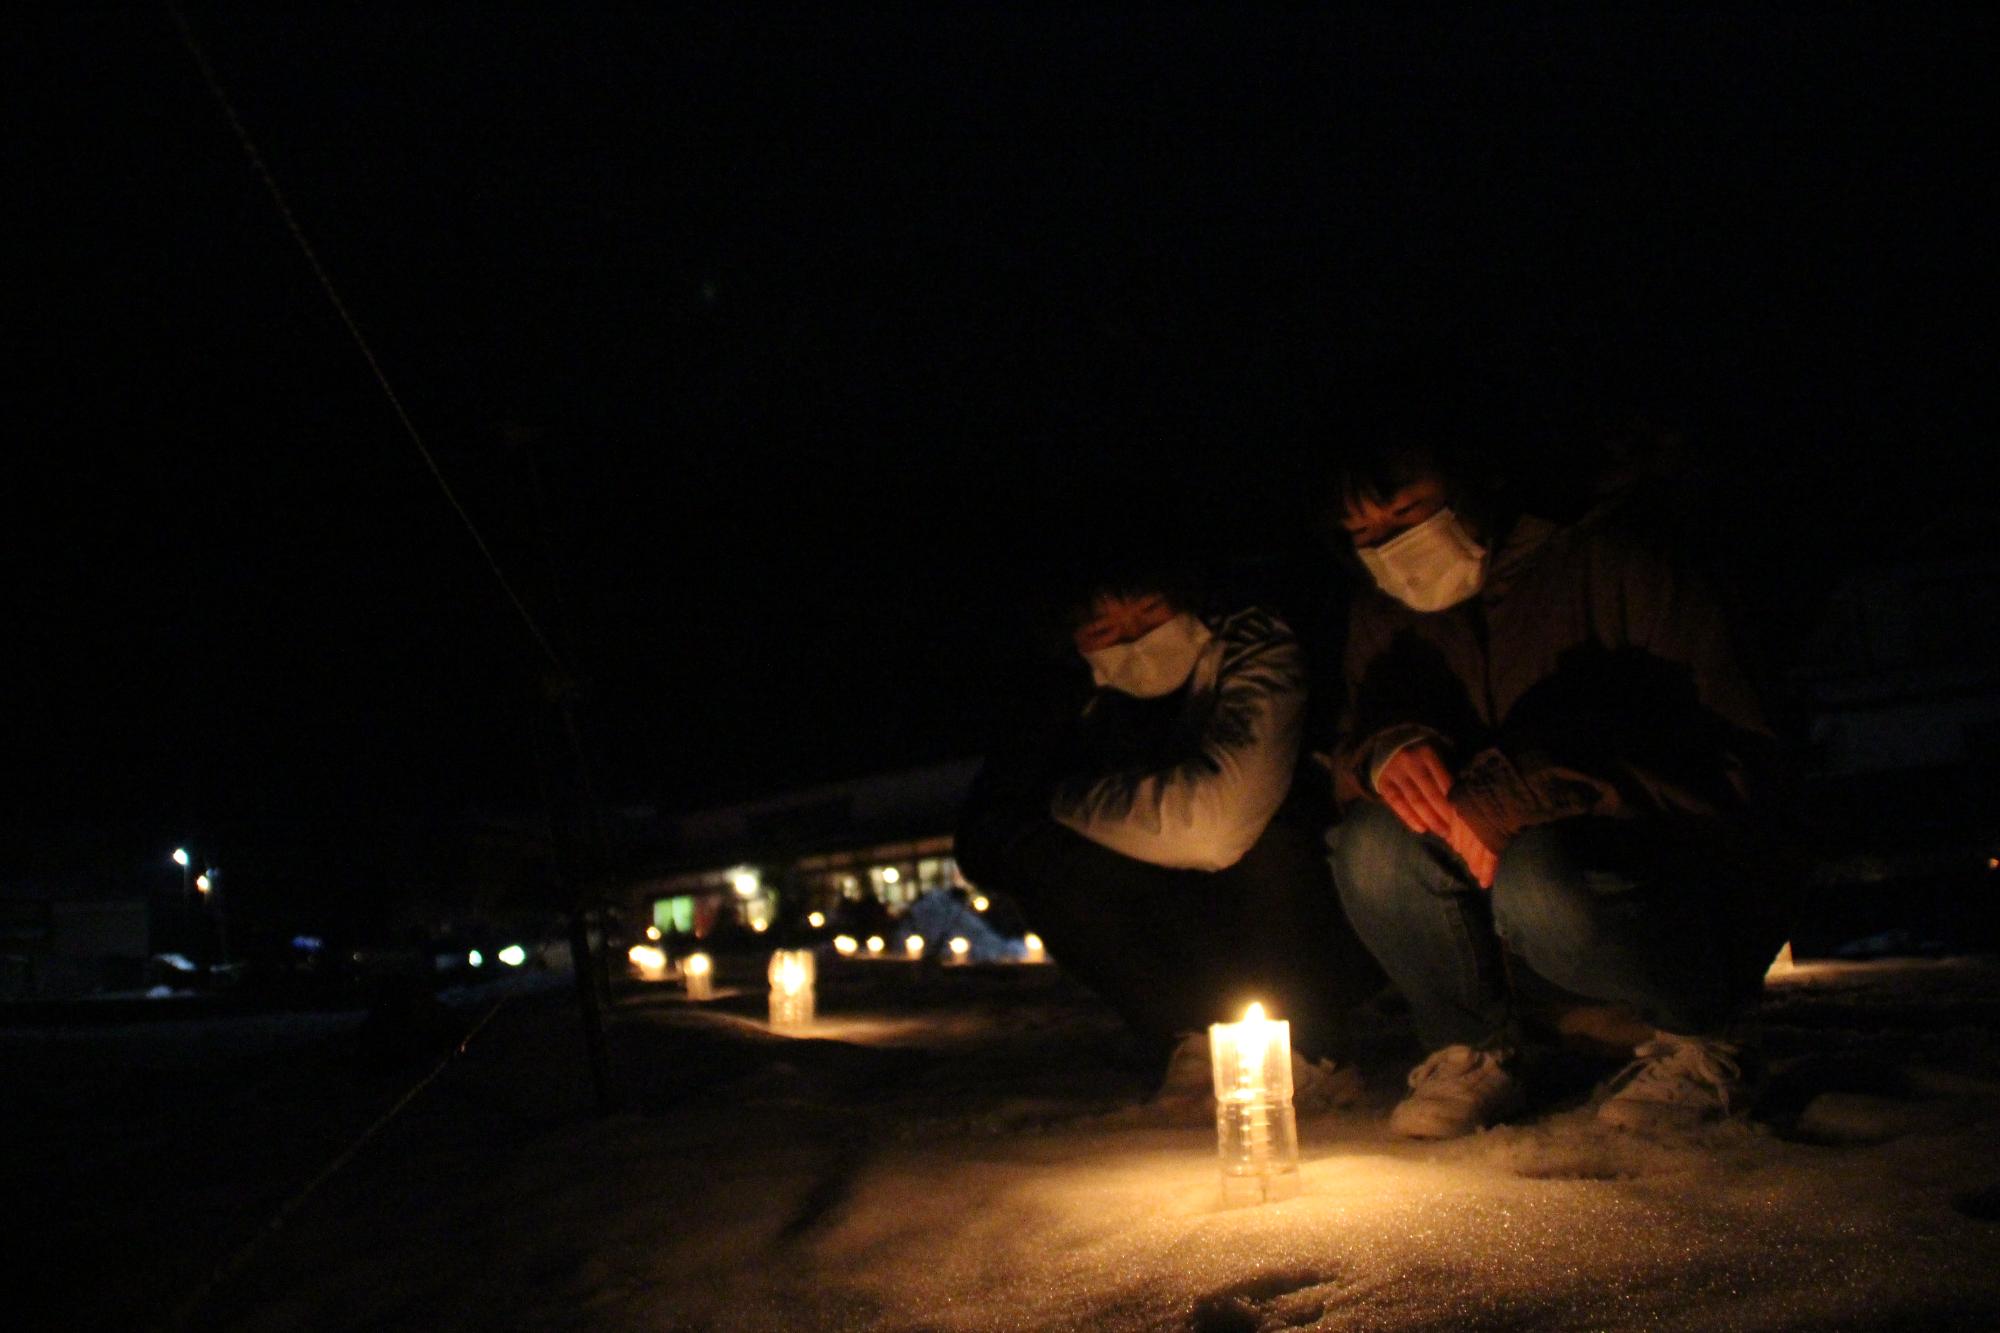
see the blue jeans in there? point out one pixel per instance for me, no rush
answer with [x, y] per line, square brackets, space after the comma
[1607, 910]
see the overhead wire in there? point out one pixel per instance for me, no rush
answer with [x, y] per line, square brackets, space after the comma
[326, 284]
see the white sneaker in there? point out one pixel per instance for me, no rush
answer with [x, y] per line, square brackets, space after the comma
[1459, 1089]
[1675, 1084]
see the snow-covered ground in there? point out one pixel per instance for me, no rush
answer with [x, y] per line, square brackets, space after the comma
[970, 1149]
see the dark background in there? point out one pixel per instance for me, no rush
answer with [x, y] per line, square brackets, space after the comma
[792, 344]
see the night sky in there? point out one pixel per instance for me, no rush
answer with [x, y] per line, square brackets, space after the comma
[777, 350]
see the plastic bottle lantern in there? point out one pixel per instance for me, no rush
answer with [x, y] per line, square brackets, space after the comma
[648, 960]
[1256, 1129]
[699, 973]
[791, 988]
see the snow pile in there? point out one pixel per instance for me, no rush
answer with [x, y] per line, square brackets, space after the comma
[938, 918]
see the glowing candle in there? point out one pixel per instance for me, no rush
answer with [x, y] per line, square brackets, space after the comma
[791, 988]
[844, 945]
[1032, 950]
[699, 974]
[1256, 1129]
[875, 944]
[960, 947]
[650, 963]
[914, 946]
[816, 919]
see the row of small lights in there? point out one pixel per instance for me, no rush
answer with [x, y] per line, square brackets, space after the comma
[652, 960]
[817, 920]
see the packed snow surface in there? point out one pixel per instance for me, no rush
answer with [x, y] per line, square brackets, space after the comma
[973, 1149]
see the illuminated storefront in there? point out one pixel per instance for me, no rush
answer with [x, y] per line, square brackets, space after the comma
[851, 857]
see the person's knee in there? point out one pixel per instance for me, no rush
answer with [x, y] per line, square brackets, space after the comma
[1535, 858]
[1542, 893]
[1367, 851]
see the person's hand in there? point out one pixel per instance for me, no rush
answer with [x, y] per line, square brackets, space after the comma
[1416, 786]
[1480, 860]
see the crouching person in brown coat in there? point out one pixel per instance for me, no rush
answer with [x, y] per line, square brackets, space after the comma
[1550, 760]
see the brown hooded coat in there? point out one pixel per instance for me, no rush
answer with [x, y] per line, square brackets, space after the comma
[1591, 675]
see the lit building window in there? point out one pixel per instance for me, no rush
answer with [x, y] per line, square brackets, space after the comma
[674, 915]
[892, 887]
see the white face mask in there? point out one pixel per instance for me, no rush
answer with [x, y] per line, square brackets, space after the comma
[1156, 663]
[1434, 565]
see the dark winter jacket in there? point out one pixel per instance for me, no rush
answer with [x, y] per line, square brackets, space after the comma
[1592, 675]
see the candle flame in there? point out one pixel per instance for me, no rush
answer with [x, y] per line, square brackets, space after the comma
[1253, 1036]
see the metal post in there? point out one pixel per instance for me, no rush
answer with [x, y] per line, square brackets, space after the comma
[578, 864]
[221, 915]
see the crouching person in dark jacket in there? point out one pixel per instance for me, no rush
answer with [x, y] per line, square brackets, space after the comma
[1154, 838]
[1551, 768]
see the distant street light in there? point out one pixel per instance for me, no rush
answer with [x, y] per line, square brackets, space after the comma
[207, 883]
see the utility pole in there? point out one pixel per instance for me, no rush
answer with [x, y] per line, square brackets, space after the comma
[210, 884]
[577, 832]
[579, 868]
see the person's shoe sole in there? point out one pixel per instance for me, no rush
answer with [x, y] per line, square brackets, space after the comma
[1653, 1118]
